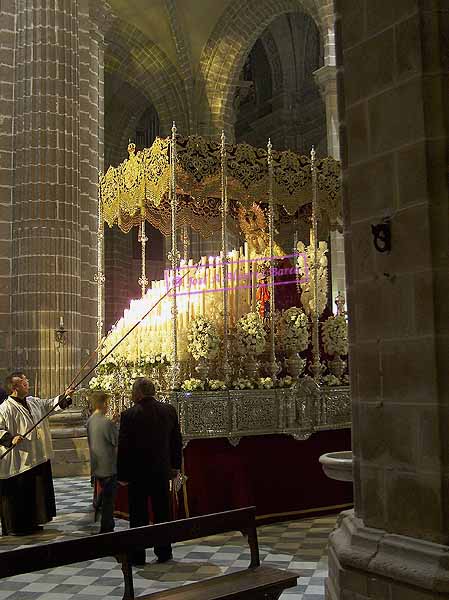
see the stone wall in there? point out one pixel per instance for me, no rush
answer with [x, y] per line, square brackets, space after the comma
[394, 138]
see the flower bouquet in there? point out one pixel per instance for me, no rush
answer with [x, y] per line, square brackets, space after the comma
[293, 333]
[286, 382]
[335, 335]
[216, 384]
[250, 337]
[265, 383]
[335, 341]
[192, 385]
[242, 384]
[203, 344]
[331, 380]
[293, 330]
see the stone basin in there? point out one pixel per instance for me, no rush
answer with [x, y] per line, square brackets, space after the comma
[337, 465]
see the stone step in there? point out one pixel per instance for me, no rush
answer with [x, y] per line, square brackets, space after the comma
[70, 469]
[67, 418]
[68, 432]
[71, 455]
[69, 443]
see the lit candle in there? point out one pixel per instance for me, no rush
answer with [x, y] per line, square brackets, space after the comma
[220, 269]
[253, 286]
[61, 322]
[247, 275]
[230, 285]
[202, 285]
[237, 283]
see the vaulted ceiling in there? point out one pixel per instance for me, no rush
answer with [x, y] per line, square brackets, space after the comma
[165, 21]
[185, 57]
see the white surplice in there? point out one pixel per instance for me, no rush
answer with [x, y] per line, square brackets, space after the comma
[36, 448]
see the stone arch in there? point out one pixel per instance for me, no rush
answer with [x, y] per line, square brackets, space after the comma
[274, 58]
[141, 63]
[123, 111]
[240, 26]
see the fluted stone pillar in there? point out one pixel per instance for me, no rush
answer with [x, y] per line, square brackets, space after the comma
[57, 152]
[394, 115]
[7, 33]
[326, 78]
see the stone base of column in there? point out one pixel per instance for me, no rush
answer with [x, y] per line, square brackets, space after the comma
[71, 450]
[371, 564]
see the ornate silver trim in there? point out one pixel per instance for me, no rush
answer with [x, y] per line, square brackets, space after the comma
[234, 414]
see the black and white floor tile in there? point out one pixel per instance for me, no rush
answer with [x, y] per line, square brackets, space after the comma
[296, 545]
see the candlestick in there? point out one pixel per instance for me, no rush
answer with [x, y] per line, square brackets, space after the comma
[273, 365]
[316, 366]
[224, 250]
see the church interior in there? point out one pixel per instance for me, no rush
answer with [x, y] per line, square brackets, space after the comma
[243, 204]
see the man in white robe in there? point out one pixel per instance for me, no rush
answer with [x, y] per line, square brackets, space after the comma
[27, 497]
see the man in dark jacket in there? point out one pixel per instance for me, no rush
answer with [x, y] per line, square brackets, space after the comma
[149, 455]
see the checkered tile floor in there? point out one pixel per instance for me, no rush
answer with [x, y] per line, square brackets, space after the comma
[296, 545]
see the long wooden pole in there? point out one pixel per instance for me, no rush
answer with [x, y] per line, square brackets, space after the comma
[74, 385]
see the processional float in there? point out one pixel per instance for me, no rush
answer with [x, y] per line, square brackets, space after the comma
[183, 182]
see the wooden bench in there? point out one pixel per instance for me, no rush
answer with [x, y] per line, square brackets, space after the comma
[256, 582]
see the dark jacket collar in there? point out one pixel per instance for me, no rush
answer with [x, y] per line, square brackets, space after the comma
[147, 399]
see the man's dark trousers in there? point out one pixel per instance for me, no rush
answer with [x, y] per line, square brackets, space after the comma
[157, 489]
[106, 501]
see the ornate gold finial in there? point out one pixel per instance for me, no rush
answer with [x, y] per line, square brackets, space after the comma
[131, 147]
[340, 302]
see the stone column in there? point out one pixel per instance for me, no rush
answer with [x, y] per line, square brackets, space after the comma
[394, 115]
[326, 78]
[57, 148]
[7, 32]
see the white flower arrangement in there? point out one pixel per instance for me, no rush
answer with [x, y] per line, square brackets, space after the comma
[154, 360]
[116, 374]
[331, 380]
[242, 384]
[216, 384]
[192, 385]
[251, 335]
[335, 335]
[265, 383]
[286, 382]
[104, 382]
[293, 330]
[204, 341]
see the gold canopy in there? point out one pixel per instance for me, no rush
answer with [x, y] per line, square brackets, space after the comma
[139, 185]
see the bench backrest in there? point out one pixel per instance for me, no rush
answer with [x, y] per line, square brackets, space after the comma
[122, 543]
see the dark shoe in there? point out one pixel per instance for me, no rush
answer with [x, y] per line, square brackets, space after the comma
[138, 560]
[23, 533]
[164, 559]
[138, 563]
